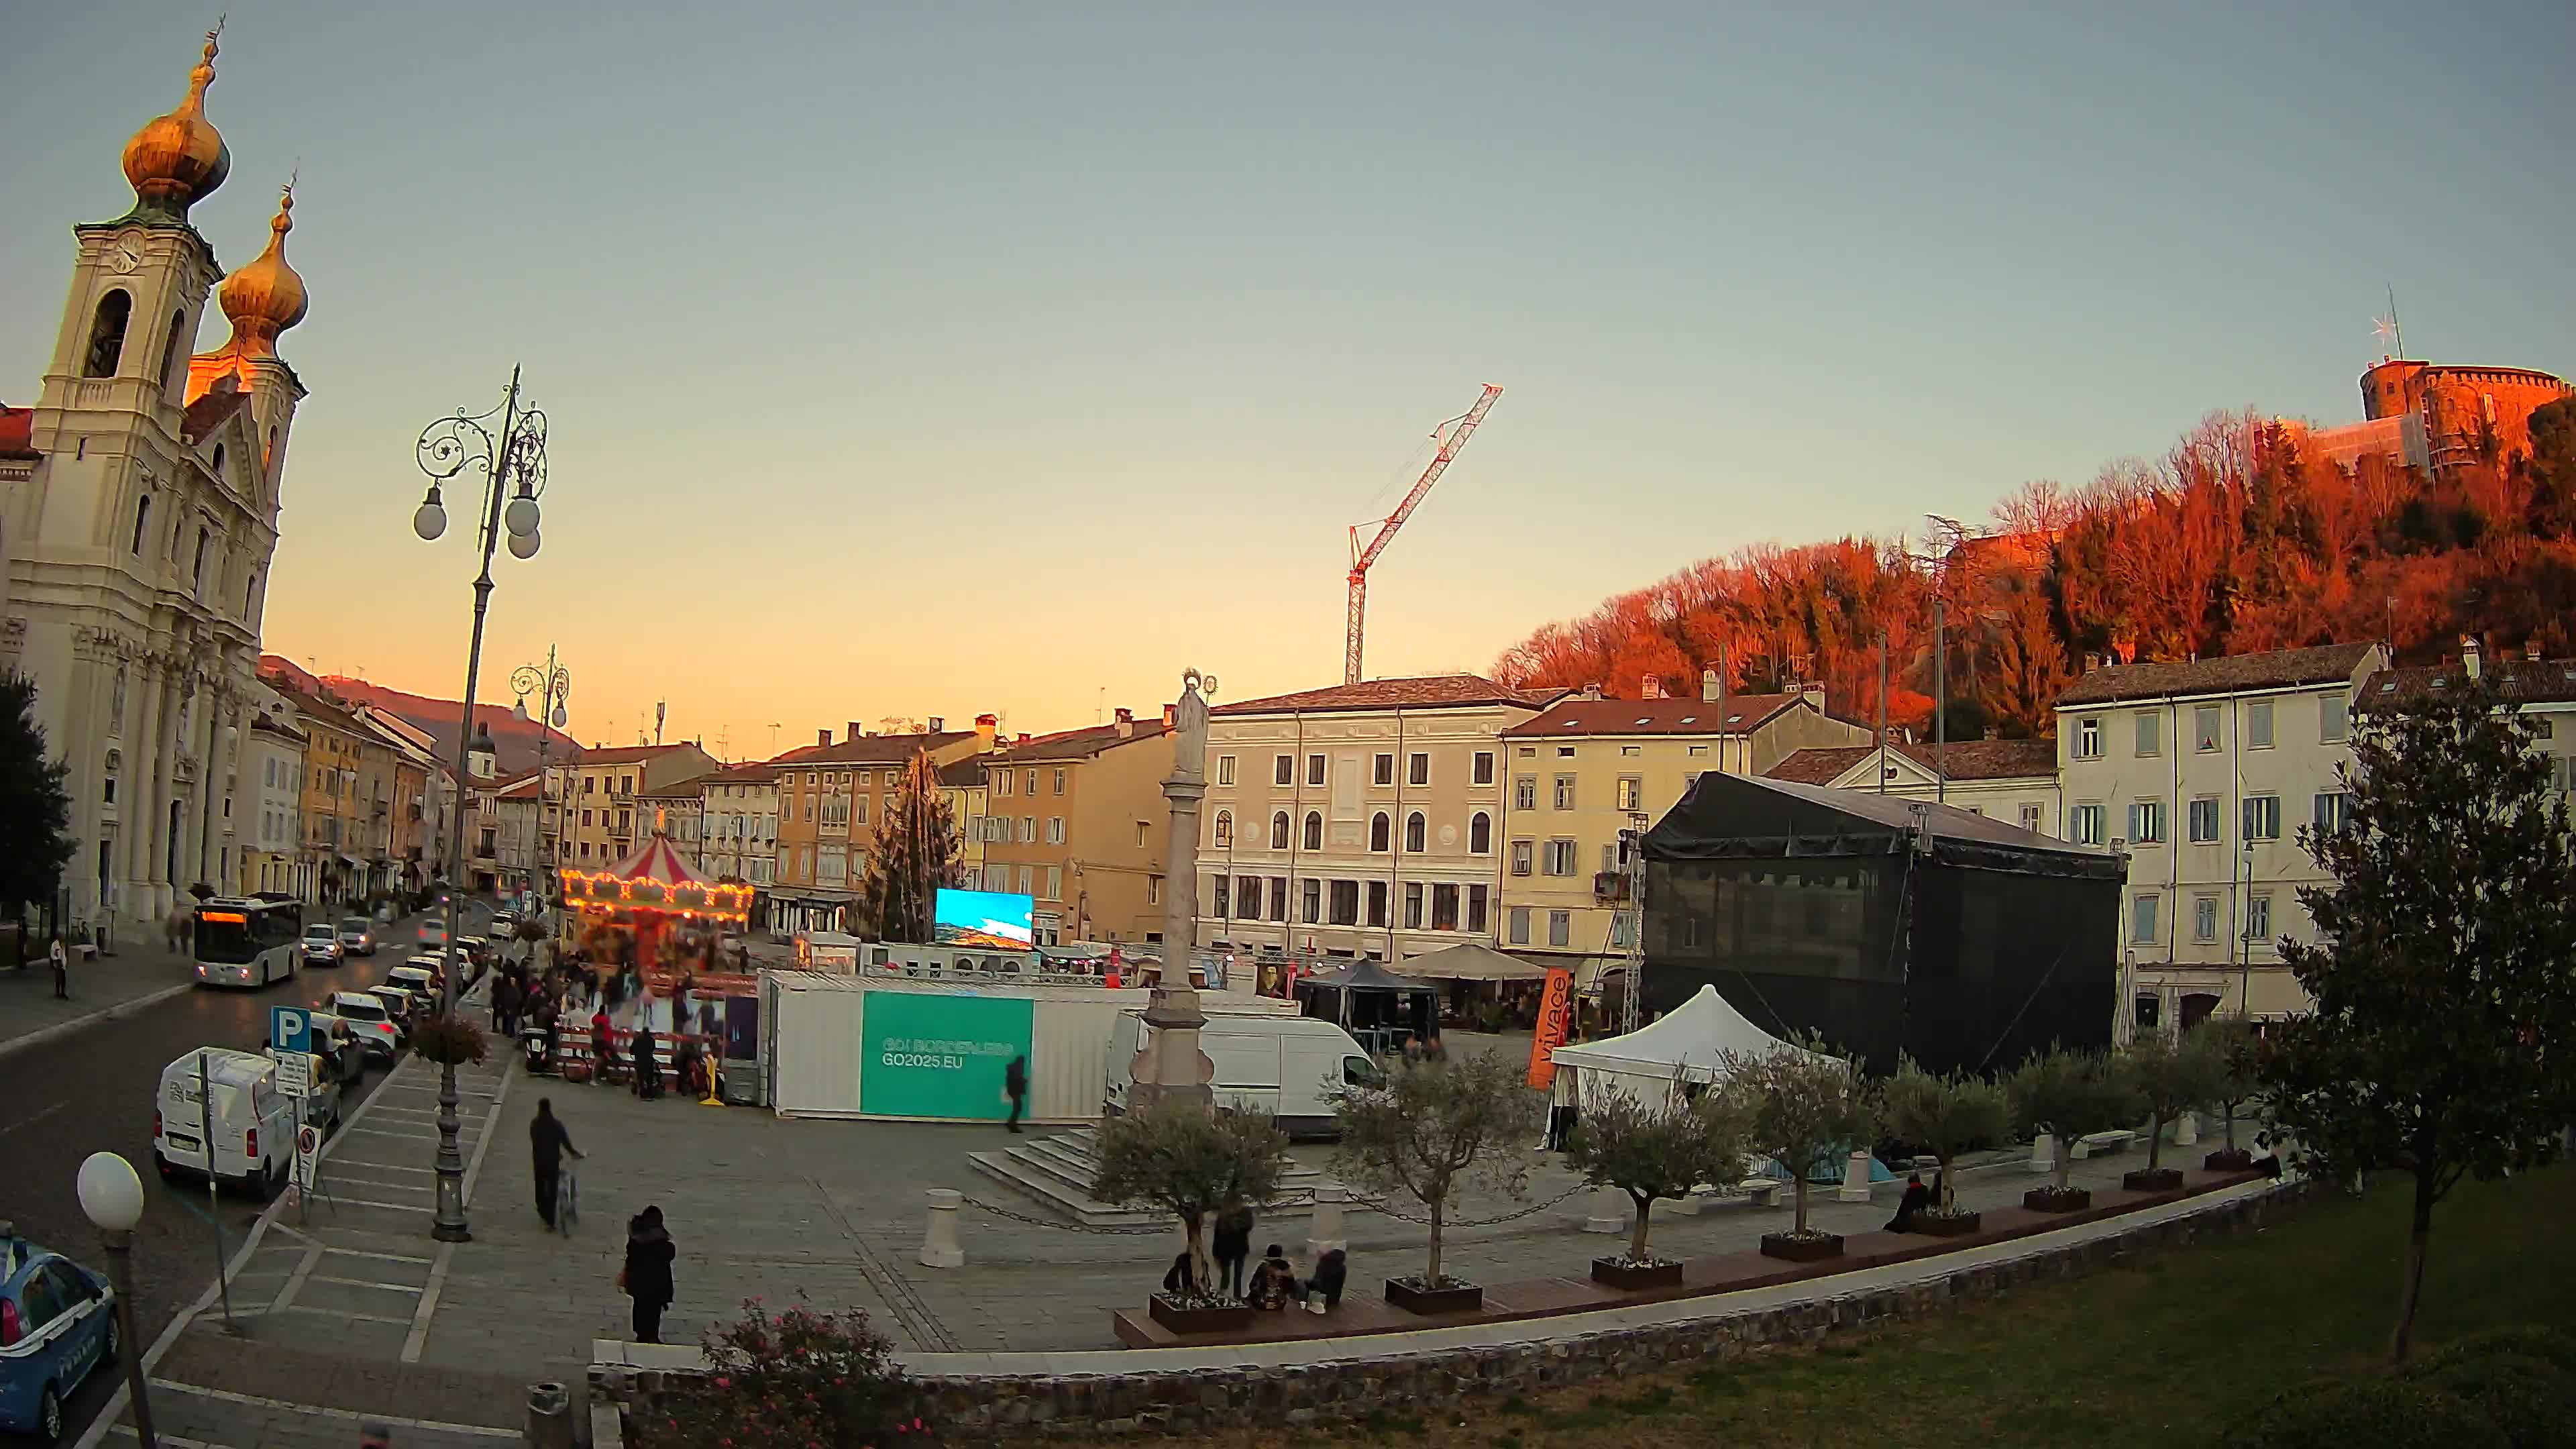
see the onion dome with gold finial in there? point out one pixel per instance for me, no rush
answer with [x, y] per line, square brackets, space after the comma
[179, 159]
[265, 297]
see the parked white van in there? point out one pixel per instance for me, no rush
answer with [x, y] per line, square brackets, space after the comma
[1280, 1065]
[252, 1128]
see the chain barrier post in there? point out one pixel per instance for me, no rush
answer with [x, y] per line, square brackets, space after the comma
[939, 1246]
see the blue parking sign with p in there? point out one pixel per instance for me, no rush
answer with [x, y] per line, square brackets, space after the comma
[290, 1028]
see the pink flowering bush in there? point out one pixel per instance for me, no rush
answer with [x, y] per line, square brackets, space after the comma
[796, 1379]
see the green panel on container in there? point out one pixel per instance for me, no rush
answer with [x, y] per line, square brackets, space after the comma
[941, 1056]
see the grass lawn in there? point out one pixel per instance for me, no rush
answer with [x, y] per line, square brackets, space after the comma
[2164, 1353]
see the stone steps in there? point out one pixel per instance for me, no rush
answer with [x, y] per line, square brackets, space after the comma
[1057, 1172]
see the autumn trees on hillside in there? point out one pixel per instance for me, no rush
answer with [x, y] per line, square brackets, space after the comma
[2240, 539]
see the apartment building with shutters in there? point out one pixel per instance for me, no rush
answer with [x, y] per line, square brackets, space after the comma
[601, 824]
[832, 797]
[1077, 821]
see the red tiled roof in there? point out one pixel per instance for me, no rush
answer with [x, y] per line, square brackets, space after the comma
[873, 749]
[1432, 692]
[1741, 714]
[963, 774]
[627, 754]
[2229, 674]
[1967, 759]
[514, 740]
[18, 432]
[2538, 681]
[1081, 744]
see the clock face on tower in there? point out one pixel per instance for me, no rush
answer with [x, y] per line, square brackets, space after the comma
[127, 255]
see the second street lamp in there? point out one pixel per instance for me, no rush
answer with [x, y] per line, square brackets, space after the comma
[515, 458]
[553, 686]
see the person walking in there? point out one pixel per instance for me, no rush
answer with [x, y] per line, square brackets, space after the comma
[62, 959]
[646, 1278]
[1015, 1084]
[1231, 1246]
[599, 1052]
[547, 1143]
[505, 1005]
[648, 1067]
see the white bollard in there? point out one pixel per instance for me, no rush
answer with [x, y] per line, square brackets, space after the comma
[1325, 1232]
[1855, 1186]
[1685, 1206]
[939, 1247]
[1609, 1212]
[2043, 1153]
[2187, 1129]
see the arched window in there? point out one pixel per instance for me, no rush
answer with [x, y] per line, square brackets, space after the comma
[107, 334]
[1413, 832]
[1377, 831]
[1224, 829]
[218, 469]
[197, 571]
[170, 355]
[250, 601]
[1279, 831]
[142, 519]
[1314, 830]
[1480, 834]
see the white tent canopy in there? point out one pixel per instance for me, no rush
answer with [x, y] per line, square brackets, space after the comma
[1471, 962]
[1688, 1042]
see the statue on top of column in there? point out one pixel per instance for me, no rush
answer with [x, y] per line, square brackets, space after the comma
[1190, 725]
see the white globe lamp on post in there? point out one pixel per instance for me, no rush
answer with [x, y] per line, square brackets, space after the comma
[111, 1197]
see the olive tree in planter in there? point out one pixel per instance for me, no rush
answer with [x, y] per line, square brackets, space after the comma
[1426, 1129]
[1944, 1116]
[2172, 1077]
[2235, 1051]
[1189, 1163]
[1654, 1150]
[2069, 1094]
[1800, 1104]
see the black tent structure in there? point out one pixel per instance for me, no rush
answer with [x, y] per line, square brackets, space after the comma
[1364, 997]
[1887, 925]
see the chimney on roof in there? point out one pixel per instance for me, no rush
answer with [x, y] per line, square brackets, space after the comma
[1650, 688]
[2469, 661]
[856, 732]
[1592, 691]
[1814, 694]
[1023, 739]
[823, 737]
[1124, 722]
[2092, 662]
[1708, 691]
[986, 727]
[938, 724]
[2531, 649]
[1171, 716]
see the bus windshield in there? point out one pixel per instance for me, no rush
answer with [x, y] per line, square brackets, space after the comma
[225, 938]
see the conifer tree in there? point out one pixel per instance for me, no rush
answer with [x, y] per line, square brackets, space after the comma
[913, 856]
[35, 809]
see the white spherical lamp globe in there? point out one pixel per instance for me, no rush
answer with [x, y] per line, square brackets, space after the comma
[521, 516]
[110, 1194]
[429, 521]
[523, 545]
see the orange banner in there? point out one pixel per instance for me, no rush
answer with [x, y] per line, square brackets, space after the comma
[1555, 1024]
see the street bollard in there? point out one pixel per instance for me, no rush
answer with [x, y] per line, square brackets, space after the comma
[2043, 1153]
[1325, 1232]
[549, 1417]
[2187, 1130]
[1855, 1186]
[1609, 1212]
[939, 1245]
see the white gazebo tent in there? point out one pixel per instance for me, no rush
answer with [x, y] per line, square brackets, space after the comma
[1686, 1044]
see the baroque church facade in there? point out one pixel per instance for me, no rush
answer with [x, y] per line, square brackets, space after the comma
[138, 517]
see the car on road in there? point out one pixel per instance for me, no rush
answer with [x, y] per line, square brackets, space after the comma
[374, 1027]
[57, 1323]
[423, 984]
[322, 945]
[358, 936]
[400, 1006]
[247, 1140]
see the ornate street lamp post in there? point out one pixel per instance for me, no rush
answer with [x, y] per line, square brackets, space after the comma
[553, 685]
[514, 459]
[111, 1197]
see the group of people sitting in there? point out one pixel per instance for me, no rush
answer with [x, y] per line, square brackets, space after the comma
[1273, 1285]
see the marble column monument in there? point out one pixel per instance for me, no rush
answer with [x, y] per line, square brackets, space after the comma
[1172, 1068]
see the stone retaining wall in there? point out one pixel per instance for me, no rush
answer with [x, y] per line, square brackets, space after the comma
[1397, 1381]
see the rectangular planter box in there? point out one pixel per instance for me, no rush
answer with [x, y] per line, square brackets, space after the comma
[2050, 1200]
[1802, 1250]
[2228, 1159]
[2152, 1179]
[1949, 1227]
[1463, 1298]
[1614, 1273]
[1231, 1318]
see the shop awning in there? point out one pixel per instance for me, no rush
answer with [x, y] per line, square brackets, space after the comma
[1471, 962]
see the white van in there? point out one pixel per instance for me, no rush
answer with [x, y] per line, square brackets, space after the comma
[253, 1126]
[1280, 1065]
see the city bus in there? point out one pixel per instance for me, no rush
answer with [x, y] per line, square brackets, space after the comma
[247, 942]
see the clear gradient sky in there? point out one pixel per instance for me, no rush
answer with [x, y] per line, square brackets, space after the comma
[944, 358]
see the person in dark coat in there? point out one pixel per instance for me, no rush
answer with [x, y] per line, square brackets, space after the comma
[599, 1053]
[505, 1005]
[547, 1143]
[647, 1275]
[1015, 1084]
[648, 1067]
[1331, 1271]
[684, 1066]
[1917, 1198]
[1181, 1277]
[1274, 1283]
[1231, 1246]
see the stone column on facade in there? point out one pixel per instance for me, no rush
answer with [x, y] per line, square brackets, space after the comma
[144, 905]
[1172, 1068]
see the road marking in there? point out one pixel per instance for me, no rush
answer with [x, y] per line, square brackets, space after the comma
[474, 1169]
[411, 1288]
[337, 1313]
[391, 1207]
[122, 1009]
[427, 1308]
[388, 1257]
[295, 1281]
[34, 1118]
[282, 1406]
[173, 1440]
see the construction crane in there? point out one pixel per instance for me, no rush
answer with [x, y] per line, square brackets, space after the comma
[1453, 436]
